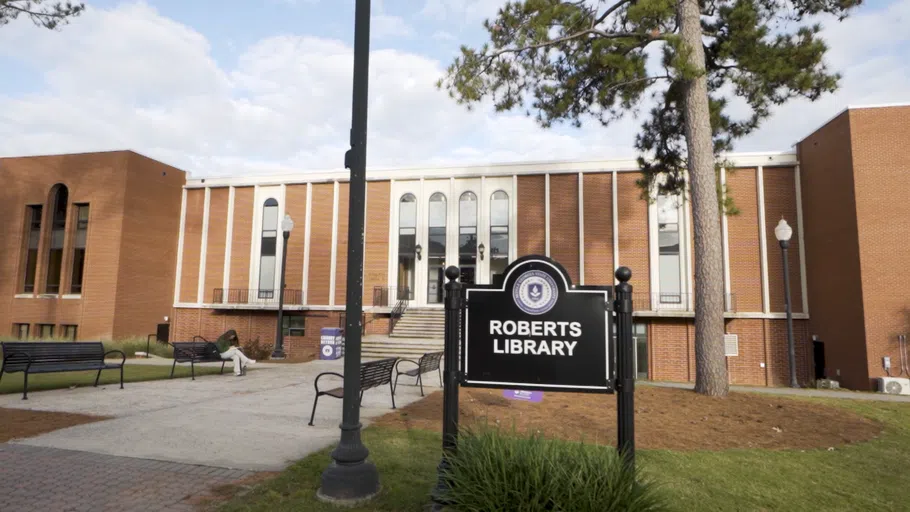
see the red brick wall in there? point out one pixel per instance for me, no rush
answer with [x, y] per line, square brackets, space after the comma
[780, 202]
[743, 236]
[192, 243]
[295, 206]
[320, 244]
[598, 217]
[241, 237]
[531, 215]
[376, 255]
[216, 242]
[881, 166]
[341, 254]
[746, 368]
[669, 350]
[634, 251]
[564, 222]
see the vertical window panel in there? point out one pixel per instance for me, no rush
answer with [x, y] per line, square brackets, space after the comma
[31, 251]
[499, 233]
[268, 248]
[55, 250]
[467, 236]
[79, 241]
[407, 243]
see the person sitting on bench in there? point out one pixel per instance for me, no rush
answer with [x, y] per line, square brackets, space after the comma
[229, 347]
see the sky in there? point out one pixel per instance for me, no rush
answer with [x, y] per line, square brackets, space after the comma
[245, 87]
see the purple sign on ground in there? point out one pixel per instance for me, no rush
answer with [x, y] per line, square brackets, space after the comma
[525, 396]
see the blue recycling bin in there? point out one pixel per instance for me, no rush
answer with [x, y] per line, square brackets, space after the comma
[331, 343]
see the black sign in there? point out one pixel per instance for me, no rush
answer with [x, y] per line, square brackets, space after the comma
[534, 329]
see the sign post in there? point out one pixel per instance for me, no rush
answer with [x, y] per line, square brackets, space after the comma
[535, 331]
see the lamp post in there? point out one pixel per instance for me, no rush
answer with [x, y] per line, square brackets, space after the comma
[287, 224]
[350, 477]
[783, 232]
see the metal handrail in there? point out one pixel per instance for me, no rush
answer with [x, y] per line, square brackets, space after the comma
[398, 311]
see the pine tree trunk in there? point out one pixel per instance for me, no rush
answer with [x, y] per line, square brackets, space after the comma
[710, 366]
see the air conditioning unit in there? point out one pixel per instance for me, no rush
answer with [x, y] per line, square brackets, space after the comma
[894, 385]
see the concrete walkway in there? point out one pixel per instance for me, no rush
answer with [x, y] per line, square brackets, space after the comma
[257, 422]
[810, 392]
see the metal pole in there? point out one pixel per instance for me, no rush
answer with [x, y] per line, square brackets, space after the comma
[453, 304]
[350, 477]
[278, 353]
[791, 347]
[625, 382]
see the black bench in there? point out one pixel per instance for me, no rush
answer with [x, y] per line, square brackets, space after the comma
[427, 363]
[196, 352]
[372, 374]
[55, 356]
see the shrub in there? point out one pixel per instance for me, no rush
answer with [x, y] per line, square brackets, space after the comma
[254, 349]
[492, 471]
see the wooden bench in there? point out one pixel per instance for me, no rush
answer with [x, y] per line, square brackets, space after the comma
[57, 356]
[195, 352]
[372, 374]
[427, 363]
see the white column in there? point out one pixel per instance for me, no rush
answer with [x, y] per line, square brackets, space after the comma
[334, 244]
[179, 269]
[581, 228]
[726, 242]
[802, 242]
[546, 195]
[228, 242]
[203, 246]
[615, 203]
[763, 241]
[306, 240]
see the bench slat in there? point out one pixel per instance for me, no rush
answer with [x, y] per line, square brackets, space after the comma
[46, 356]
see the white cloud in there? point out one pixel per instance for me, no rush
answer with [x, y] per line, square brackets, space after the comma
[456, 11]
[131, 78]
[384, 25]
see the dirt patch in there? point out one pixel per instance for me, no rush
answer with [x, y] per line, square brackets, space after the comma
[19, 423]
[212, 498]
[665, 418]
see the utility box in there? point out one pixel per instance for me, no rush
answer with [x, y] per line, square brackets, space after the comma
[331, 343]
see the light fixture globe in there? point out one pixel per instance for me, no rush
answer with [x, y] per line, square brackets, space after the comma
[783, 231]
[287, 224]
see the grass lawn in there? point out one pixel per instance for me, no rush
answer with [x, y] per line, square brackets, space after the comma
[869, 475]
[12, 382]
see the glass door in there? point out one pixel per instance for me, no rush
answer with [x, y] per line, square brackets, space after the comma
[407, 248]
[436, 247]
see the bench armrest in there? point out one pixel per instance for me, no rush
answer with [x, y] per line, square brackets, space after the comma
[11, 354]
[316, 382]
[405, 361]
[122, 354]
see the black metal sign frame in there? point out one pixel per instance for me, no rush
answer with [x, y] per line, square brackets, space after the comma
[509, 296]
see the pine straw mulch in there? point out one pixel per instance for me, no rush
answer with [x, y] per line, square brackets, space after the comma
[20, 423]
[665, 418]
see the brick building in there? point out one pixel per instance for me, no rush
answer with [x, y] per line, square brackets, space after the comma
[89, 244]
[222, 257]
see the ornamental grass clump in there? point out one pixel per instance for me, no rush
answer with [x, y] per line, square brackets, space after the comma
[496, 471]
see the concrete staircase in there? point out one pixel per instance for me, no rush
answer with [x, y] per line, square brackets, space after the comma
[376, 346]
[421, 324]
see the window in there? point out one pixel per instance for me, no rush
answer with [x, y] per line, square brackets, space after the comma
[69, 332]
[46, 331]
[467, 236]
[268, 248]
[31, 249]
[407, 245]
[436, 257]
[20, 331]
[58, 228]
[79, 247]
[294, 325]
[669, 261]
[499, 233]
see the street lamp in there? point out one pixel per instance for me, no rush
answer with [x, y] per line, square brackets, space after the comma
[783, 232]
[350, 478]
[287, 224]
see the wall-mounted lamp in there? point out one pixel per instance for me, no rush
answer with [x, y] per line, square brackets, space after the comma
[481, 248]
[418, 249]
[165, 319]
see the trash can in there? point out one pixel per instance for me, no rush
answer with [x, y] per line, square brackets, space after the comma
[331, 343]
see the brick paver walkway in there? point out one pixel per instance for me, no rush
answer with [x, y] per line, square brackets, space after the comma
[52, 480]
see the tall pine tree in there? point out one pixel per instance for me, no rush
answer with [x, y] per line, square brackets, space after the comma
[567, 61]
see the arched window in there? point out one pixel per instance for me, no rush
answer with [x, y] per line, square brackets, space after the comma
[436, 238]
[268, 248]
[499, 233]
[467, 236]
[407, 246]
[58, 229]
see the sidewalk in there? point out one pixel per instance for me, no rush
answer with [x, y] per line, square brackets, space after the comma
[809, 392]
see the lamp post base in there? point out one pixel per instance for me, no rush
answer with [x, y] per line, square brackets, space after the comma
[349, 484]
[278, 354]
